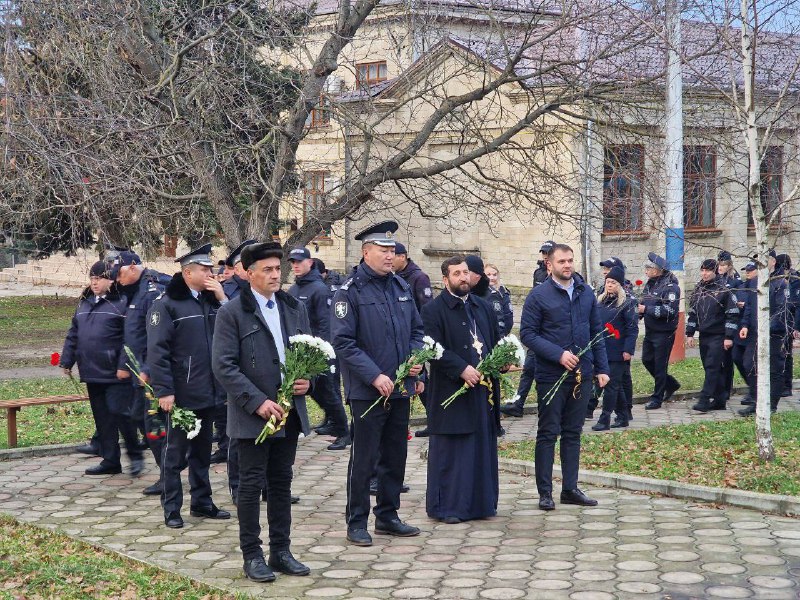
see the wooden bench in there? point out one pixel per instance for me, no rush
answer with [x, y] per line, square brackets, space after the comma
[12, 408]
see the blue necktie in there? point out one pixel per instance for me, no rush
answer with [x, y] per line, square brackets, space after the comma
[270, 304]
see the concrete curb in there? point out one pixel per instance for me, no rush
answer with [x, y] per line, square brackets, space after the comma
[34, 451]
[771, 503]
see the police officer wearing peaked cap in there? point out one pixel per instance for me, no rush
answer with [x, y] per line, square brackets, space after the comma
[180, 328]
[233, 285]
[375, 326]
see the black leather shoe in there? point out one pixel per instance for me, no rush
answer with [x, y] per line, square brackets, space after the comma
[719, 406]
[577, 497]
[511, 410]
[327, 429]
[787, 393]
[153, 490]
[702, 407]
[341, 443]
[451, 520]
[630, 414]
[294, 499]
[670, 391]
[501, 432]
[220, 456]
[284, 562]
[396, 527]
[209, 512]
[747, 411]
[88, 449]
[653, 405]
[619, 423]
[422, 433]
[257, 570]
[320, 424]
[102, 469]
[359, 537]
[173, 520]
[747, 401]
[404, 488]
[137, 466]
[546, 501]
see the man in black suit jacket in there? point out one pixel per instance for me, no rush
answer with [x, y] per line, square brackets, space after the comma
[463, 481]
[252, 332]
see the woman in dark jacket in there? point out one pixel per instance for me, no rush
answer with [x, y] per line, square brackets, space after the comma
[94, 341]
[618, 309]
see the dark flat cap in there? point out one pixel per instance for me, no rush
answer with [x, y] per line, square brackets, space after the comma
[255, 252]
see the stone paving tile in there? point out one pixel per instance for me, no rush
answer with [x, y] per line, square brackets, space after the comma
[630, 546]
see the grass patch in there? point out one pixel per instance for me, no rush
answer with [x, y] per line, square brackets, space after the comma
[38, 563]
[717, 454]
[44, 320]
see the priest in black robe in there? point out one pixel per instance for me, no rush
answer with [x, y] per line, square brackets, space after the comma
[463, 481]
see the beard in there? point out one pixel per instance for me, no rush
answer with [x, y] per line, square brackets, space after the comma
[458, 289]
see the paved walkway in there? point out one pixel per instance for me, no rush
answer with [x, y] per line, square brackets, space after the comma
[630, 546]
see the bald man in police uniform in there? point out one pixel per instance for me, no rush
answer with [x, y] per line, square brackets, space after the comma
[180, 327]
[374, 328]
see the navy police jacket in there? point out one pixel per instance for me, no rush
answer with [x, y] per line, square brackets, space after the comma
[784, 298]
[149, 287]
[374, 327]
[661, 297]
[551, 324]
[311, 290]
[419, 282]
[625, 319]
[712, 310]
[179, 338]
[233, 286]
[748, 315]
[96, 336]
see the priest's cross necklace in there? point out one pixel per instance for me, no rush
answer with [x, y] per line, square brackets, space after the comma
[476, 343]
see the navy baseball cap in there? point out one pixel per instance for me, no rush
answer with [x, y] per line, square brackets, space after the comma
[547, 246]
[612, 262]
[400, 248]
[751, 266]
[124, 259]
[657, 261]
[299, 254]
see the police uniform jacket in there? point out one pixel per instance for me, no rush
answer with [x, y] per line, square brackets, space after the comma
[540, 274]
[148, 288]
[551, 324]
[246, 361]
[445, 320]
[419, 282]
[731, 281]
[311, 290]
[749, 312]
[783, 293]
[334, 280]
[233, 286]
[502, 296]
[374, 327]
[180, 329]
[96, 337]
[494, 301]
[712, 310]
[625, 319]
[661, 297]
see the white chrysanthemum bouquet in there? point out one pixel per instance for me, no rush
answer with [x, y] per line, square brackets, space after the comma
[306, 357]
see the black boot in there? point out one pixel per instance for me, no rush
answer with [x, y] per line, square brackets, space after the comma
[603, 423]
[619, 421]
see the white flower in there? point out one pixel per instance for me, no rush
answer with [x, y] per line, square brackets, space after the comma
[519, 349]
[314, 342]
[196, 431]
[430, 344]
[333, 368]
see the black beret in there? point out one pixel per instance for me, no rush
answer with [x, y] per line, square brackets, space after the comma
[255, 252]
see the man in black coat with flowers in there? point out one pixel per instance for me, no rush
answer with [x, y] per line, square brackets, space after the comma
[180, 327]
[463, 482]
[252, 333]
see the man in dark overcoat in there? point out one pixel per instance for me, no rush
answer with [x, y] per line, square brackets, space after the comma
[252, 333]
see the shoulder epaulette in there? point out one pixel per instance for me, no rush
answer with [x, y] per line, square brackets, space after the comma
[346, 285]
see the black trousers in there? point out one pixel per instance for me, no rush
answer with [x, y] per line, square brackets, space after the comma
[272, 461]
[380, 445]
[777, 365]
[739, 357]
[234, 471]
[713, 356]
[656, 349]
[788, 364]
[627, 386]
[614, 399]
[727, 373]
[327, 393]
[221, 426]
[562, 416]
[526, 379]
[112, 405]
[180, 452]
[155, 424]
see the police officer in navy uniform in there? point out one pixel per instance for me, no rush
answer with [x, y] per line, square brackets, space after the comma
[415, 277]
[180, 328]
[659, 306]
[515, 407]
[744, 344]
[375, 327]
[233, 285]
[731, 280]
[714, 313]
[311, 290]
[146, 285]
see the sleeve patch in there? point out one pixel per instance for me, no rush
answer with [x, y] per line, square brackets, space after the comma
[155, 318]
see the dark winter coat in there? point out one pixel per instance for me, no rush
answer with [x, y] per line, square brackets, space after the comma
[146, 290]
[749, 312]
[661, 297]
[233, 286]
[419, 282]
[246, 361]
[712, 310]
[311, 290]
[551, 324]
[445, 320]
[180, 330]
[625, 319]
[95, 338]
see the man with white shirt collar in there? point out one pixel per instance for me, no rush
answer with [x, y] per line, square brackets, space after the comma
[180, 327]
[250, 341]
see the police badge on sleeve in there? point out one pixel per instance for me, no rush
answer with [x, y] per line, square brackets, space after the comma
[340, 310]
[155, 318]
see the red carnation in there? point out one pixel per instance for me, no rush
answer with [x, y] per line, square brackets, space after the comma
[616, 334]
[409, 435]
[55, 358]
[610, 328]
[152, 436]
[639, 282]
